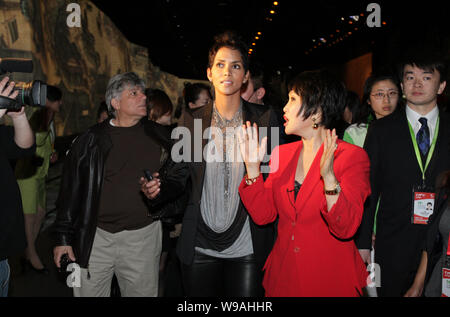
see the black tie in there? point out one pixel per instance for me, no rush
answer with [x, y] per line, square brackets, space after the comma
[423, 137]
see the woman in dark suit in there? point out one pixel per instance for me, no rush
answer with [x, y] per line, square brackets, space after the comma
[221, 249]
[316, 188]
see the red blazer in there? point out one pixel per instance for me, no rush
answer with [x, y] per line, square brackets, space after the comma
[314, 254]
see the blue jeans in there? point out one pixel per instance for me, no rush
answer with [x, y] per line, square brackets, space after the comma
[4, 278]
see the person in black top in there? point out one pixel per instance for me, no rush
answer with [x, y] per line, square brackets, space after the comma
[15, 142]
[221, 249]
[104, 223]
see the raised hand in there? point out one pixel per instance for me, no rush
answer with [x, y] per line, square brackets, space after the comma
[326, 162]
[252, 152]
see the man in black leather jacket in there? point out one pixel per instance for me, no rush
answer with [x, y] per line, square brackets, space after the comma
[104, 223]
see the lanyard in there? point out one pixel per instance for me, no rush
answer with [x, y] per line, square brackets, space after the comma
[430, 153]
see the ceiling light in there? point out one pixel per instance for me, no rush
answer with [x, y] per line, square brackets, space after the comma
[272, 12]
[275, 3]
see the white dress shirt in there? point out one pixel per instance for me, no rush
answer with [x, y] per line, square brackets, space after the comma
[413, 118]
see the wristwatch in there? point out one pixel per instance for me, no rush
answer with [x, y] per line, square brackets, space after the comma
[335, 191]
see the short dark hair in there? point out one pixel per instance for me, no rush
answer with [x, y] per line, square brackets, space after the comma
[158, 103]
[53, 93]
[192, 92]
[231, 40]
[426, 62]
[102, 108]
[353, 104]
[256, 75]
[366, 109]
[319, 90]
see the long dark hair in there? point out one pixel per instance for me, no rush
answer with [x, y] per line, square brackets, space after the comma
[158, 103]
[192, 92]
[366, 111]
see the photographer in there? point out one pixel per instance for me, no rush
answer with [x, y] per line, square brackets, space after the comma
[15, 142]
[31, 174]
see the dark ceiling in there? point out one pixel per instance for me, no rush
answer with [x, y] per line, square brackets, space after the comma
[179, 33]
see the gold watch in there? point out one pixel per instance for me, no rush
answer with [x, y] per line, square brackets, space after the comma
[335, 191]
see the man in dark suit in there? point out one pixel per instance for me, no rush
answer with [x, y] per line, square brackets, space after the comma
[407, 151]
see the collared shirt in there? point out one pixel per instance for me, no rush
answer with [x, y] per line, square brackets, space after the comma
[432, 116]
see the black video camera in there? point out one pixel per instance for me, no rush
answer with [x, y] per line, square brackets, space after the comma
[32, 94]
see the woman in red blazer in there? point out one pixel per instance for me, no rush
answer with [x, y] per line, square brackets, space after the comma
[316, 188]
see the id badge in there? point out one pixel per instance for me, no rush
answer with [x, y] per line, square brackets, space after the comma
[423, 206]
[446, 282]
[446, 274]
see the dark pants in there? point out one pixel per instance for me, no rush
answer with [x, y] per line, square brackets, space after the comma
[216, 277]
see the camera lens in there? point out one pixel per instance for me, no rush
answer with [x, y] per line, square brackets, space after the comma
[33, 94]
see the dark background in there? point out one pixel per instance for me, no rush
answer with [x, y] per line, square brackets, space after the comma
[179, 33]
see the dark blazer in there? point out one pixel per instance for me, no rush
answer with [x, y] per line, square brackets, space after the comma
[262, 236]
[394, 171]
[435, 244]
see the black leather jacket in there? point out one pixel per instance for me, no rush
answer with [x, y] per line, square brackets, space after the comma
[79, 196]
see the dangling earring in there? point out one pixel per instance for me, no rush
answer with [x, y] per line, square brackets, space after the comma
[315, 125]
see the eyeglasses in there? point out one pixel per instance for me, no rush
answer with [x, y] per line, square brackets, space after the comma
[382, 95]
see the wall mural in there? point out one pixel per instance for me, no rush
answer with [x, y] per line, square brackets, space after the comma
[78, 60]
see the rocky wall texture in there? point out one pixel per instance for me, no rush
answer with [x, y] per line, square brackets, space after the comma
[78, 60]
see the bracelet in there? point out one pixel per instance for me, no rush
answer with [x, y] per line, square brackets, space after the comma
[250, 181]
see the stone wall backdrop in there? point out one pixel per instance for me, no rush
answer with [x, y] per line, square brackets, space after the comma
[78, 60]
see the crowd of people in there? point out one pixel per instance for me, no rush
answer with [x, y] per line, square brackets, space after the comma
[299, 201]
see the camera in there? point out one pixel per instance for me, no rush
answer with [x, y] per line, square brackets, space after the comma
[32, 94]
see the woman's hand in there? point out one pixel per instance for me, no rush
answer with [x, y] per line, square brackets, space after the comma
[7, 91]
[326, 162]
[415, 291]
[14, 115]
[252, 152]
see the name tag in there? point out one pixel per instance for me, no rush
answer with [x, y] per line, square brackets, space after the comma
[423, 207]
[446, 274]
